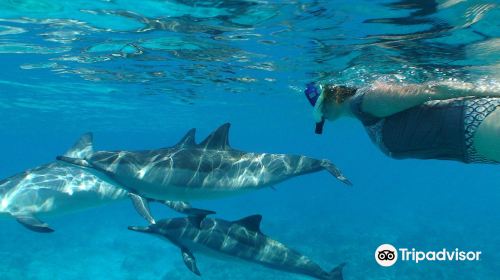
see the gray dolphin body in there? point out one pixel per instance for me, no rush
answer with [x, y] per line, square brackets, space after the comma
[59, 188]
[190, 171]
[53, 189]
[242, 240]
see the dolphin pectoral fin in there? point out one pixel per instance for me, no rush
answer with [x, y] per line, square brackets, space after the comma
[141, 205]
[32, 223]
[330, 167]
[190, 260]
[186, 208]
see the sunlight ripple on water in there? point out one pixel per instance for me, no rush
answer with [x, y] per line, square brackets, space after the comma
[177, 48]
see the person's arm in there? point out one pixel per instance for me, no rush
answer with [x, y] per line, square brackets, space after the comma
[383, 100]
[462, 89]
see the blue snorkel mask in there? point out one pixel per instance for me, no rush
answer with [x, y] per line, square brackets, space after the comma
[312, 93]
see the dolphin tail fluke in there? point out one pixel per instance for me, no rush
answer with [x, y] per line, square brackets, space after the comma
[336, 273]
[330, 167]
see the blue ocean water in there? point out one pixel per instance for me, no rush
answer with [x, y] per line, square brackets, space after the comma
[139, 75]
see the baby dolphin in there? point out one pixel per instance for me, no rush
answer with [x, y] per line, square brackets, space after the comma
[59, 188]
[239, 240]
[190, 171]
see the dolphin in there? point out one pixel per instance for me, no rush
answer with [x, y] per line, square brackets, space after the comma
[189, 171]
[238, 240]
[59, 188]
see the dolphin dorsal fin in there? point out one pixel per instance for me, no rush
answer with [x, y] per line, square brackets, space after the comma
[196, 220]
[251, 222]
[219, 139]
[188, 139]
[82, 149]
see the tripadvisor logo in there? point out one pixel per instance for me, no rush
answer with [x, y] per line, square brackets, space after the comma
[387, 255]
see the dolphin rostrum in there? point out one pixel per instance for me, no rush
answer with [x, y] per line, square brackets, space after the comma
[59, 188]
[240, 240]
[190, 171]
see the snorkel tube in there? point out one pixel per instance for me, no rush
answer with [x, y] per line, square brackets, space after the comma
[313, 93]
[319, 126]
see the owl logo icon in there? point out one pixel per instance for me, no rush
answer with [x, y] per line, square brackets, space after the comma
[386, 255]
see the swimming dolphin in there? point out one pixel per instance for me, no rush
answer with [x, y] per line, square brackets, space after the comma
[240, 240]
[59, 188]
[53, 189]
[189, 171]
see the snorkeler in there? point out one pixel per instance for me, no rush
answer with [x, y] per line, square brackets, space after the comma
[449, 121]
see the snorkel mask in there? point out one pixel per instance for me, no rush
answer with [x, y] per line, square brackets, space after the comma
[313, 93]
